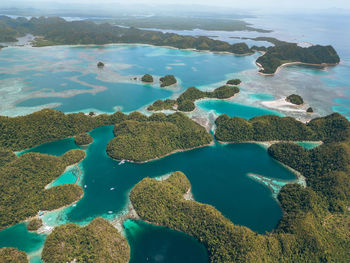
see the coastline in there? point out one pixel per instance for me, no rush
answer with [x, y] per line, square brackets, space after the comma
[293, 63]
[175, 151]
[143, 44]
[267, 144]
[194, 102]
[49, 211]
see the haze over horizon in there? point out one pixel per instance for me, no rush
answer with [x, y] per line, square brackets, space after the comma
[231, 4]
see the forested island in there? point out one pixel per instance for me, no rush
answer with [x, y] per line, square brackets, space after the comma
[99, 242]
[34, 224]
[12, 255]
[293, 54]
[57, 31]
[147, 78]
[47, 125]
[274, 128]
[315, 218]
[83, 139]
[187, 23]
[23, 182]
[146, 138]
[185, 102]
[295, 99]
[167, 80]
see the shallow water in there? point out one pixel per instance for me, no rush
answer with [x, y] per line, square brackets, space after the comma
[233, 109]
[309, 145]
[66, 78]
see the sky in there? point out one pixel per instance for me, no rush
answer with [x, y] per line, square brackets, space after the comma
[284, 4]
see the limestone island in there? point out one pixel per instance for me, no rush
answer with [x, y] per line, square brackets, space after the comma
[310, 110]
[185, 102]
[167, 80]
[83, 139]
[99, 242]
[295, 99]
[34, 224]
[23, 182]
[292, 54]
[147, 78]
[57, 31]
[234, 82]
[315, 217]
[144, 138]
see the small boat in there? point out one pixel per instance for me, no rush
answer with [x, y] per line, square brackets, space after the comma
[121, 162]
[112, 188]
[110, 212]
[85, 186]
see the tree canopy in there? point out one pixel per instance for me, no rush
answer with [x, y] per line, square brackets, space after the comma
[23, 181]
[144, 139]
[99, 242]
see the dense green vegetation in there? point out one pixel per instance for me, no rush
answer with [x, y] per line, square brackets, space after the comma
[303, 235]
[310, 110]
[34, 224]
[23, 132]
[274, 128]
[23, 181]
[83, 139]
[99, 242]
[142, 139]
[185, 102]
[6, 156]
[100, 64]
[147, 78]
[12, 255]
[272, 40]
[158, 105]
[326, 169]
[278, 55]
[167, 80]
[295, 99]
[57, 31]
[186, 105]
[233, 82]
[7, 34]
[187, 23]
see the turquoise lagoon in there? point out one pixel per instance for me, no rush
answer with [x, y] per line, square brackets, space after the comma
[66, 78]
[218, 174]
[234, 109]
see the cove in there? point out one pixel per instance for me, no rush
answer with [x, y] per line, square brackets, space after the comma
[233, 109]
[218, 175]
[19, 237]
[150, 243]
